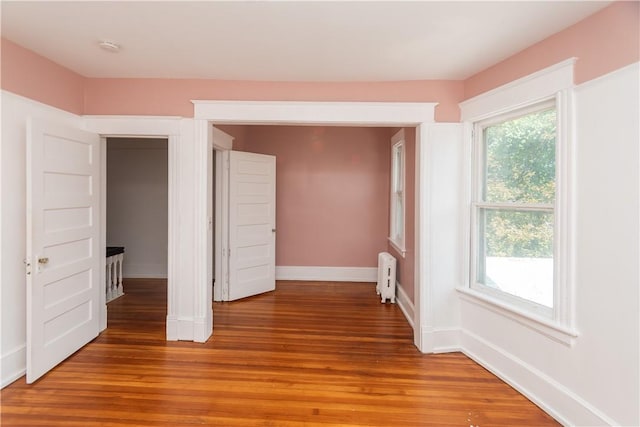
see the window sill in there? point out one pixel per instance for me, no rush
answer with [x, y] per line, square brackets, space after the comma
[398, 248]
[546, 327]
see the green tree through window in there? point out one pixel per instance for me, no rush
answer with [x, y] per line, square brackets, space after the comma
[520, 169]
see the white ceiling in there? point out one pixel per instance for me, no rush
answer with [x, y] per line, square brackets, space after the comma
[286, 41]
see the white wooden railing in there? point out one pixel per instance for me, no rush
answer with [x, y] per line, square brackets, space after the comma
[114, 276]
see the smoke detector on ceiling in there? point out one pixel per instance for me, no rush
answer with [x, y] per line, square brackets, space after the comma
[109, 46]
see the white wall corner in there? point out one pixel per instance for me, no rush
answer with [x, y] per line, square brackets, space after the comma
[446, 340]
[327, 274]
[426, 339]
[405, 304]
[14, 365]
[554, 398]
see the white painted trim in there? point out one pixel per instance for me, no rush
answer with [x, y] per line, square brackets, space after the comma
[405, 304]
[221, 287]
[172, 329]
[184, 326]
[421, 285]
[555, 85]
[327, 274]
[203, 313]
[135, 126]
[401, 251]
[545, 326]
[220, 139]
[143, 127]
[39, 106]
[328, 113]
[423, 256]
[527, 90]
[398, 142]
[102, 306]
[446, 340]
[173, 238]
[553, 397]
[13, 365]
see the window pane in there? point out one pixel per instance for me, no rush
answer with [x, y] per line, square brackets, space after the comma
[516, 253]
[520, 159]
[397, 168]
[399, 218]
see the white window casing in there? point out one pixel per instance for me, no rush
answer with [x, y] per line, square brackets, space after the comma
[553, 85]
[397, 197]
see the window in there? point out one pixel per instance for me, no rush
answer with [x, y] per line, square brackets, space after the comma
[513, 208]
[396, 227]
[521, 222]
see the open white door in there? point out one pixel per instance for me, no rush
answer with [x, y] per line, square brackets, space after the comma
[63, 253]
[252, 219]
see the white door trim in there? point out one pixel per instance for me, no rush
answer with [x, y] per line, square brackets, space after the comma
[392, 114]
[398, 114]
[222, 143]
[145, 126]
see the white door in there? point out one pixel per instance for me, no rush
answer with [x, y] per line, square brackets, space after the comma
[252, 220]
[63, 253]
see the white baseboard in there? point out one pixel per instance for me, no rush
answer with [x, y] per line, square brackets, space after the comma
[202, 328]
[144, 271]
[180, 328]
[14, 365]
[446, 340]
[440, 340]
[554, 398]
[143, 276]
[405, 304]
[327, 274]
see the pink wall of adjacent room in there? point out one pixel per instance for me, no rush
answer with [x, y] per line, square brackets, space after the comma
[332, 192]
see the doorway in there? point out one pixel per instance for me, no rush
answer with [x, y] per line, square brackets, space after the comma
[136, 210]
[386, 114]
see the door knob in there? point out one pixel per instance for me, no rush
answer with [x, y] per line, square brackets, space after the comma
[273, 230]
[43, 260]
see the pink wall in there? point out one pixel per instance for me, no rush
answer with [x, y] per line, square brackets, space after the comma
[603, 42]
[173, 97]
[25, 73]
[238, 132]
[405, 266]
[332, 192]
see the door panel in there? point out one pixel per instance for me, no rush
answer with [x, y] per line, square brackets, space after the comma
[252, 215]
[63, 253]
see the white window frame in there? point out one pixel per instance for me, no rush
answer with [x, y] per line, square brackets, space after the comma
[478, 203]
[398, 191]
[553, 84]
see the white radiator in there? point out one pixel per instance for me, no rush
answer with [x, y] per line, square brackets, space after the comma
[386, 286]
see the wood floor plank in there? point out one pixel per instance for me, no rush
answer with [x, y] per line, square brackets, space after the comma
[308, 354]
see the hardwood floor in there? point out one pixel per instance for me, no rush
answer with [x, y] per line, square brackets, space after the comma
[307, 354]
